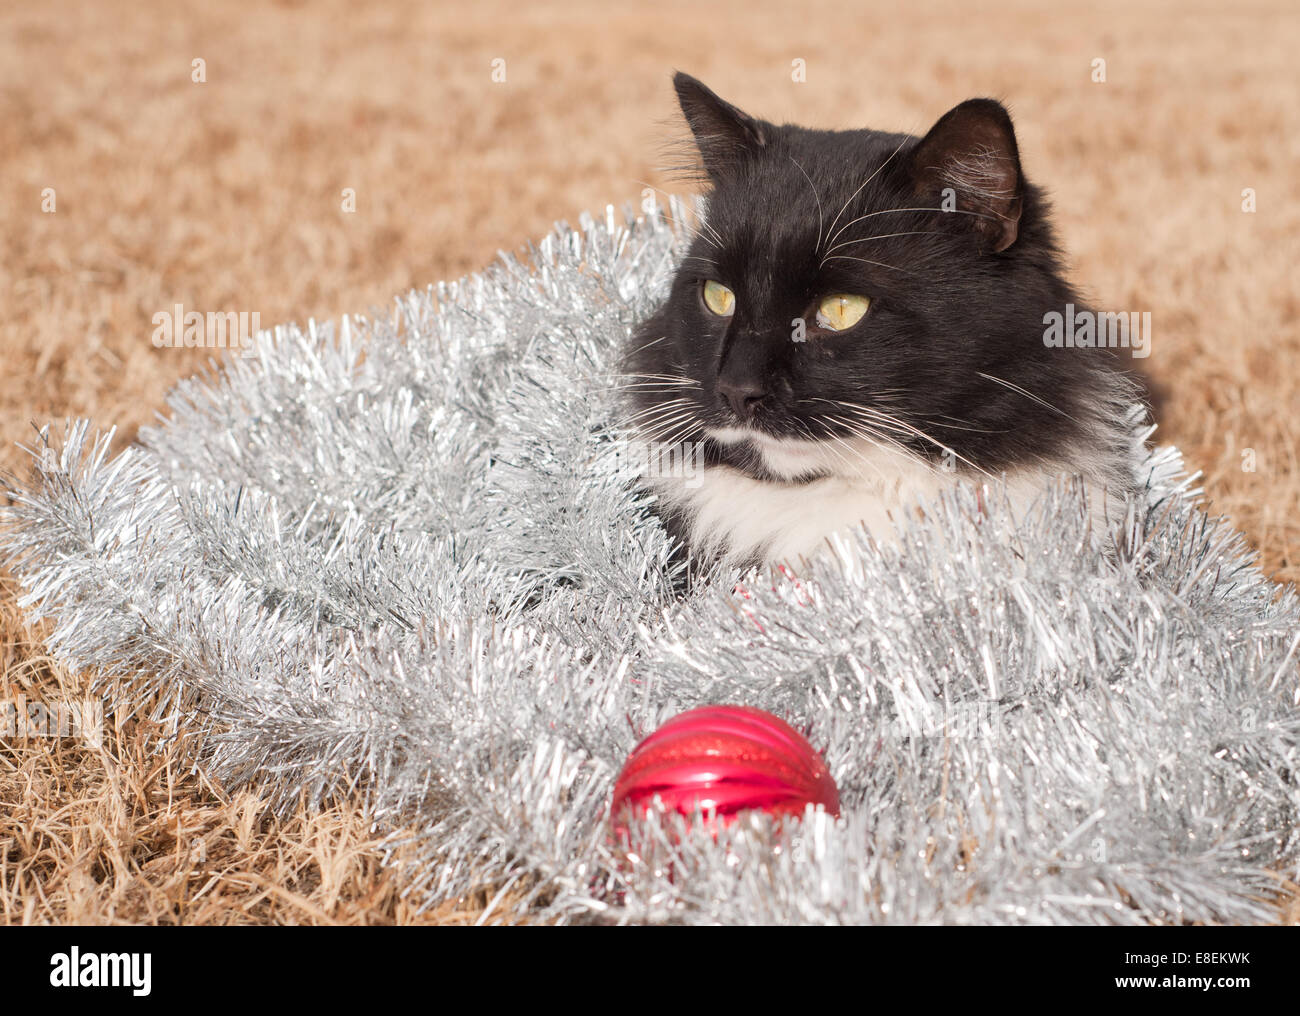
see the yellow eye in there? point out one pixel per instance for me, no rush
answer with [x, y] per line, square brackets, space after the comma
[719, 299]
[841, 311]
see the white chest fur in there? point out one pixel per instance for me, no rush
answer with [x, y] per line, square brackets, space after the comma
[865, 484]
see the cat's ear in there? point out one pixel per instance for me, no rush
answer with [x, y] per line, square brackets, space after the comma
[969, 163]
[722, 132]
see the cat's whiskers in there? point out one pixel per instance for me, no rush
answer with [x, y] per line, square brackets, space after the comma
[892, 211]
[700, 226]
[615, 373]
[820, 440]
[652, 342]
[647, 381]
[642, 387]
[649, 388]
[857, 407]
[864, 433]
[706, 224]
[653, 416]
[815, 198]
[667, 379]
[873, 435]
[863, 184]
[701, 236]
[880, 440]
[855, 453]
[657, 431]
[875, 419]
[670, 439]
[707, 262]
[866, 261]
[958, 425]
[1029, 395]
[875, 395]
[659, 406]
[881, 236]
[870, 413]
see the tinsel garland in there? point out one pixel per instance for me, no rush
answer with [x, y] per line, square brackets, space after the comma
[404, 558]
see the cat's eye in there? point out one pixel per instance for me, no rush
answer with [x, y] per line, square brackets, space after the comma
[841, 311]
[719, 299]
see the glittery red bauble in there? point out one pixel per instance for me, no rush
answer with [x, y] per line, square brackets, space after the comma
[728, 758]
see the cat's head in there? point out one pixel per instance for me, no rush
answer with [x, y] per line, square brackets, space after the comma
[860, 286]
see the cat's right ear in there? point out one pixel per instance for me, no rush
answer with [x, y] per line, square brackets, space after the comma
[969, 162]
[723, 134]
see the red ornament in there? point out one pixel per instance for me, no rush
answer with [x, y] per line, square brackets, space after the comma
[728, 758]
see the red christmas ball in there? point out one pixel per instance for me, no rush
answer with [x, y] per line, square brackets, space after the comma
[729, 759]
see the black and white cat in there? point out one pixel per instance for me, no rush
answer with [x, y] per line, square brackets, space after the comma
[858, 324]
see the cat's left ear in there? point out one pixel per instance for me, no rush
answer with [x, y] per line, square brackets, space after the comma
[969, 163]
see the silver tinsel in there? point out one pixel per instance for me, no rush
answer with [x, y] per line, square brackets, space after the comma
[402, 558]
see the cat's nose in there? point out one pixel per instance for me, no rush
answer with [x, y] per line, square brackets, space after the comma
[742, 396]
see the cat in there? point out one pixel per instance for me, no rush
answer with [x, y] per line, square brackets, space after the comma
[858, 324]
